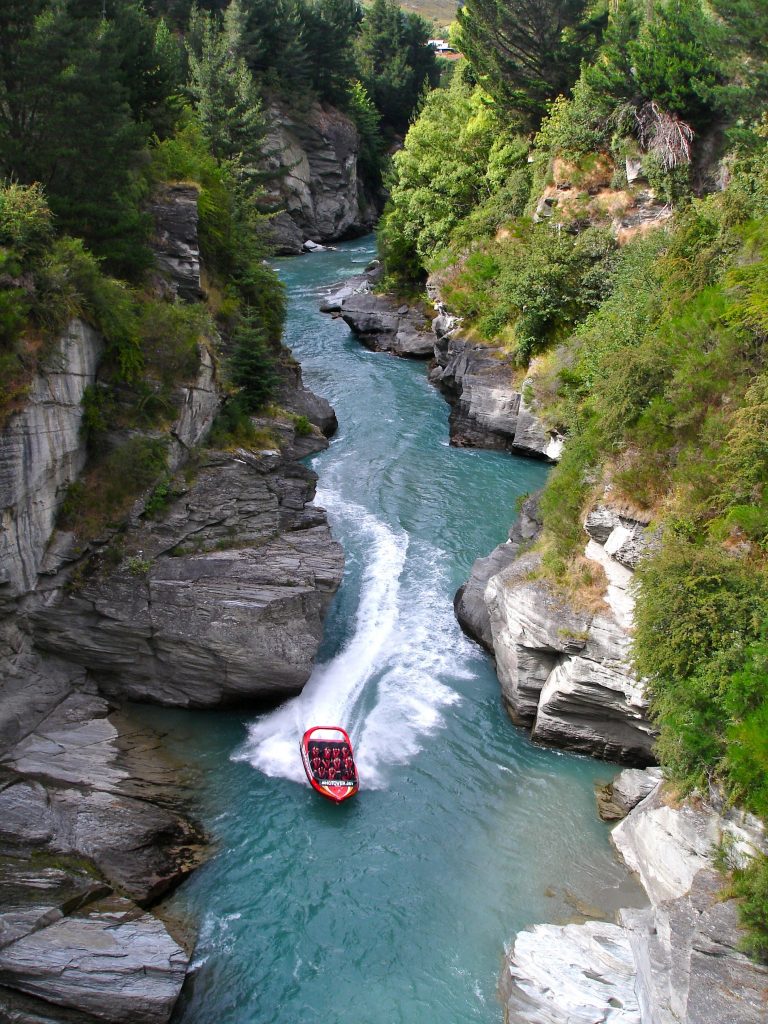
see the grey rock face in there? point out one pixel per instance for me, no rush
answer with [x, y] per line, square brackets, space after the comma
[198, 404]
[86, 784]
[41, 454]
[225, 601]
[685, 946]
[469, 602]
[108, 960]
[386, 325]
[175, 244]
[564, 671]
[487, 409]
[315, 157]
[572, 974]
[676, 962]
[88, 802]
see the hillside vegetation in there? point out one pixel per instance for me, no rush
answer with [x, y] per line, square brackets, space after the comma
[591, 194]
[105, 102]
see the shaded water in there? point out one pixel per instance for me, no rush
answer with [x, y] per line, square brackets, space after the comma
[392, 908]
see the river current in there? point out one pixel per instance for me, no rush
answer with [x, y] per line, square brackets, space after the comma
[393, 908]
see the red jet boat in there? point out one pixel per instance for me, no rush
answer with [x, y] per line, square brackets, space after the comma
[326, 752]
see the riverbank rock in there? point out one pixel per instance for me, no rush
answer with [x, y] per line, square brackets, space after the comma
[572, 974]
[488, 406]
[686, 945]
[89, 804]
[674, 962]
[359, 284]
[564, 668]
[469, 601]
[313, 155]
[385, 324]
[107, 961]
[222, 599]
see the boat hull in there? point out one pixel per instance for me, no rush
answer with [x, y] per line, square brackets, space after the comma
[326, 753]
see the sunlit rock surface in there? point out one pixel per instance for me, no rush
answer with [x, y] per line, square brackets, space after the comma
[41, 454]
[313, 157]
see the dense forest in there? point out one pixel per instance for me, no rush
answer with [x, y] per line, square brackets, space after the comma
[641, 340]
[104, 101]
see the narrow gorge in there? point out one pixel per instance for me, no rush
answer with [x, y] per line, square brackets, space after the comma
[363, 371]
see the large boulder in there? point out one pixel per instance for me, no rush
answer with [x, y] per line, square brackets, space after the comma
[219, 601]
[385, 324]
[313, 156]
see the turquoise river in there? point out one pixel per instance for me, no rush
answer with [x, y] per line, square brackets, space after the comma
[395, 907]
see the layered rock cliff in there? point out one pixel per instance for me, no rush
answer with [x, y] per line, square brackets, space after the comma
[675, 962]
[312, 157]
[564, 668]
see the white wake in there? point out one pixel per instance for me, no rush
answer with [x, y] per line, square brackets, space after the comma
[405, 639]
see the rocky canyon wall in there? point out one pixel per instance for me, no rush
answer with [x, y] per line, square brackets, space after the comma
[312, 157]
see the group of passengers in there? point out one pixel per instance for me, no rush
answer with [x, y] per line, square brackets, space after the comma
[329, 762]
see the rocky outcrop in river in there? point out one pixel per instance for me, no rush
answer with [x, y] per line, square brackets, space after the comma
[564, 668]
[675, 962]
[488, 408]
[313, 158]
[387, 326]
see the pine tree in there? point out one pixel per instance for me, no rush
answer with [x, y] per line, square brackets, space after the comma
[227, 102]
[394, 60]
[527, 52]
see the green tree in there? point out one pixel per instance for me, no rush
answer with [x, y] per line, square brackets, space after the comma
[675, 62]
[79, 95]
[227, 102]
[395, 62]
[332, 26]
[527, 52]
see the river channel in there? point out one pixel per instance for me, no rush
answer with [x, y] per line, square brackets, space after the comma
[394, 907]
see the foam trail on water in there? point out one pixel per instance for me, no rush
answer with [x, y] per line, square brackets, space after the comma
[424, 648]
[330, 695]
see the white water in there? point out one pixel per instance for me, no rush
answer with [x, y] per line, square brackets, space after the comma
[385, 681]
